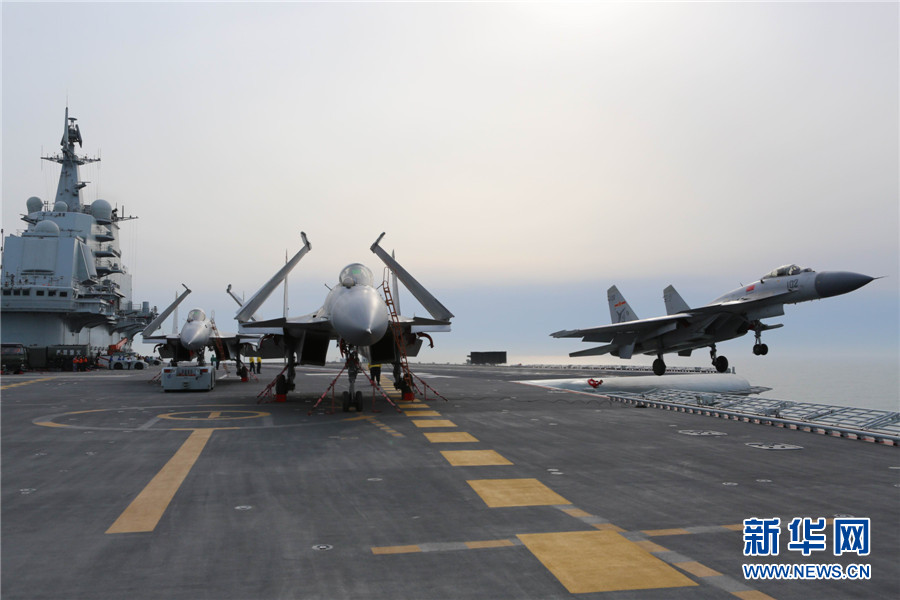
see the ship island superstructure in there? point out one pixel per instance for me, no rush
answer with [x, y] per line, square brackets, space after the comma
[63, 281]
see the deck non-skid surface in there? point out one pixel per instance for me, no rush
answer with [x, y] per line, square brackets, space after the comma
[112, 489]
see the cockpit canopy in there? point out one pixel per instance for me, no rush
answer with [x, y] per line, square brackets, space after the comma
[785, 271]
[356, 274]
[196, 314]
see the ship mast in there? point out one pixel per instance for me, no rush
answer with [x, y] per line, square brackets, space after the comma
[69, 188]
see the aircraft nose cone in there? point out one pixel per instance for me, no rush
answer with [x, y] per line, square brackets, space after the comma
[193, 336]
[360, 316]
[835, 283]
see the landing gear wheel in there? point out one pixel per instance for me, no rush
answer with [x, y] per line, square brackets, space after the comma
[659, 367]
[763, 349]
[721, 364]
[281, 386]
[358, 402]
[345, 405]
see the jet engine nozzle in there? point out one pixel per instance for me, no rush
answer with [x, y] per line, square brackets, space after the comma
[835, 283]
[360, 316]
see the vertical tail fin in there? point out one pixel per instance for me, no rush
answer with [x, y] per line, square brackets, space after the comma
[619, 310]
[674, 302]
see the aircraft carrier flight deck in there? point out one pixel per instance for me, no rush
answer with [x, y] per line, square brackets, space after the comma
[113, 489]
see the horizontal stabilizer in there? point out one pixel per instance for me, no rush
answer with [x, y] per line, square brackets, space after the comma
[155, 324]
[252, 305]
[674, 302]
[619, 310]
[595, 351]
[428, 302]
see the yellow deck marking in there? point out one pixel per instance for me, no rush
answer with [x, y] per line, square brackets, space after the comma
[450, 436]
[409, 405]
[50, 424]
[658, 532]
[576, 512]
[489, 544]
[147, 508]
[650, 546]
[738, 527]
[696, 569]
[20, 383]
[396, 549]
[474, 458]
[433, 423]
[500, 493]
[421, 413]
[213, 415]
[608, 527]
[601, 561]
[752, 595]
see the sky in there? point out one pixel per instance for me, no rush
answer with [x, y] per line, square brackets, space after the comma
[522, 157]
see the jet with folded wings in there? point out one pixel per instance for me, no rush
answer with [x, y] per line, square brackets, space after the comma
[198, 333]
[354, 314]
[684, 329]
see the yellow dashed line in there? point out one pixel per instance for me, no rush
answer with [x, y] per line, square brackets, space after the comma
[421, 413]
[433, 423]
[449, 437]
[474, 458]
[601, 561]
[498, 493]
[608, 527]
[576, 512]
[396, 550]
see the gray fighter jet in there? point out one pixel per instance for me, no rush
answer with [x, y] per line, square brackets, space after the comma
[683, 329]
[196, 335]
[355, 314]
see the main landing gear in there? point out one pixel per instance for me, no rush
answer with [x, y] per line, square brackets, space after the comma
[759, 349]
[659, 366]
[719, 362]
